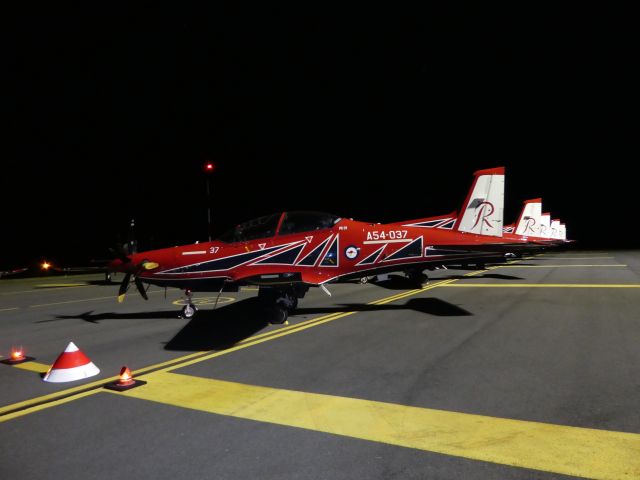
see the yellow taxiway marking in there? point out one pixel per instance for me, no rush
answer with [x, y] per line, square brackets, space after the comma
[7, 309]
[32, 367]
[582, 452]
[61, 401]
[559, 266]
[50, 400]
[577, 258]
[205, 301]
[543, 285]
[60, 285]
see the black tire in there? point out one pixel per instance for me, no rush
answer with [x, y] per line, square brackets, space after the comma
[294, 305]
[278, 315]
[364, 280]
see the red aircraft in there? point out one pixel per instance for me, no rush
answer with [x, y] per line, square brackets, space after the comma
[286, 253]
[534, 227]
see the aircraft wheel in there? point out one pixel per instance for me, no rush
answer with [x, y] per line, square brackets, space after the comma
[364, 280]
[278, 315]
[419, 279]
[189, 310]
[294, 305]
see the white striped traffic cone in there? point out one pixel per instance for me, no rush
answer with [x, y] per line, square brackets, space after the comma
[71, 365]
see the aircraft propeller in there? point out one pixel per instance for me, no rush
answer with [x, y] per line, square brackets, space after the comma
[131, 270]
[124, 286]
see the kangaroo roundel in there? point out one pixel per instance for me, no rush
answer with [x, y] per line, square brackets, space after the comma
[351, 252]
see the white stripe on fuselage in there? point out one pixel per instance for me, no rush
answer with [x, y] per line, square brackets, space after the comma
[403, 240]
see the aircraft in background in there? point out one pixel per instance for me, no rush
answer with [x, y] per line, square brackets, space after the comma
[285, 254]
[536, 227]
[15, 271]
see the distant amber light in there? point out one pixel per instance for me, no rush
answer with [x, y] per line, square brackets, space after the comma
[45, 265]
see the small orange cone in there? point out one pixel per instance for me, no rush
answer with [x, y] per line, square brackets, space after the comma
[125, 382]
[17, 356]
[71, 365]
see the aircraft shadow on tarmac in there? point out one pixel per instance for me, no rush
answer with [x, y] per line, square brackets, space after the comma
[221, 328]
[498, 276]
[226, 326]
[97, 317]
[399, 282]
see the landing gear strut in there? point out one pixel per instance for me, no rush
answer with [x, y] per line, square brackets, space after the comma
[189, 310]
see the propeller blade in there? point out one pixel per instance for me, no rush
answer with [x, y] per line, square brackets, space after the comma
[140, 287]
[124, 286]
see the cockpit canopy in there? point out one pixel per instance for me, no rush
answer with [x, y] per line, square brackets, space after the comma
[292, 222]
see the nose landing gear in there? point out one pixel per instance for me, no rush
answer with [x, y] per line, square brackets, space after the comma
[189, 310]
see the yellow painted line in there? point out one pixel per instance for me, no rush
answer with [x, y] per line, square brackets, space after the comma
[80, 388]
[204, 301]
[251, 342]
[60, 285]
[411, 292]
[576, 451]
[7, 309]
[32, 367]
[559, 266]
[28, 406]
[577, 258]
[542, 285]
[249, 289]
[38, 403]
[37, 408]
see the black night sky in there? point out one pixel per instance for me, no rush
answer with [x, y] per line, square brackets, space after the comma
[376, 115]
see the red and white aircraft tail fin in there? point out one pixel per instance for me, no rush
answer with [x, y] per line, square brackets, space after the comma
[530, 219]
[482, 211]
[555, 228]
[563, 231]
[545, 225]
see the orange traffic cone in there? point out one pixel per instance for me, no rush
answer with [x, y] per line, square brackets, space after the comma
[125, 382]
[71, 365]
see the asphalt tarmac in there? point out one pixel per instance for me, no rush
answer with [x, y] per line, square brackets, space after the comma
[528, 370]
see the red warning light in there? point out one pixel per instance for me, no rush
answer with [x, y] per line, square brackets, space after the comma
[125, 381]
[125, 377]
[17, 354]
[209, 167]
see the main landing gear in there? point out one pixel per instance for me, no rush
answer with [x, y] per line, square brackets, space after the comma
[189, 310]
[280, 302]
[417, 278]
